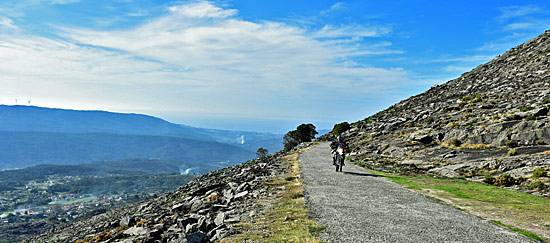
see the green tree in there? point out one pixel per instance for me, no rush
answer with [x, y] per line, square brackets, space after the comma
[290, 140]
[303, 133]
[306, 132]
[340, 128]
[261, 152]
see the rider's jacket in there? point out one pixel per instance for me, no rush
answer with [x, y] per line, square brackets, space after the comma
[335, 145]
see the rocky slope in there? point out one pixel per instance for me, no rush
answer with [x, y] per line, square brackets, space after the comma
[490, 121]
[204, 210]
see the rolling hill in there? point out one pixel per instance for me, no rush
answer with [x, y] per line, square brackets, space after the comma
[32, 135]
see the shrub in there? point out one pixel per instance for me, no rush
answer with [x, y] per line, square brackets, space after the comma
[520, 180]
[530, 118]
[512, 152]
[261, 152]
[453, 125]
[546, 101]
[429, 121]
[511, 143]
[537, 184]
[540, 142]
[504, 180]
[455, 142]
[339, 128]
[526, 108]
[489, 180]
[539, 172]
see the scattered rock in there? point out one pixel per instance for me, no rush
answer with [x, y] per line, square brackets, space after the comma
[211, 203]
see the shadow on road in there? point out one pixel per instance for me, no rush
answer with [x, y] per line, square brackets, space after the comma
[360, 174]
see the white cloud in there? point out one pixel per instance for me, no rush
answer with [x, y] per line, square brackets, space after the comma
[335, 7]
[199, 58]
[516, 24]
[459, 69]
[464, 59]
[329, 31]
[202, 10]
[7, 24]
[517, 11]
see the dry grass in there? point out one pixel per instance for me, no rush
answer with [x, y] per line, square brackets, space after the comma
[449, 144]
[103, 236]
[476, 146]
[284, 218]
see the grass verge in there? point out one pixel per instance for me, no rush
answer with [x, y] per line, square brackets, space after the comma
[523, 232]
[284, 217]
[524, 213]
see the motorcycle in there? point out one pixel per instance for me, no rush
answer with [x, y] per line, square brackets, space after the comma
[339, 159]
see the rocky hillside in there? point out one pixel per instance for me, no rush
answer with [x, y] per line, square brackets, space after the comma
[204, 210]
[488, 122]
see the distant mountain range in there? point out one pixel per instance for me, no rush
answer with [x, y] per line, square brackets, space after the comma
[32, 135]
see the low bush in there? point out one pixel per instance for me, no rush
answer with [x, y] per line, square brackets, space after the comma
[512, 152]
[537, 185]
[429, 121]
[540, 142]
[520, 180]
[539, 172]
[511, 143]
[505, 180]
[526, 108]
[489, 180]
[454, 142]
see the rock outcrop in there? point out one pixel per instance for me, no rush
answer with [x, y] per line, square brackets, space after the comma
[204, 210]
[489, 121]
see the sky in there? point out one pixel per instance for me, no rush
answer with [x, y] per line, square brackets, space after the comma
[253, 65]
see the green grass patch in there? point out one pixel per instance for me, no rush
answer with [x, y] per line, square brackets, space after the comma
[519, 211]
[523, 232]
[81, 200]
[316, 229]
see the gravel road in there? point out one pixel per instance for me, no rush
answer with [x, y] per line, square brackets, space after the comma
[357, 206]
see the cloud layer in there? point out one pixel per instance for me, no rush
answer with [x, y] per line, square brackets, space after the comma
[197, 59]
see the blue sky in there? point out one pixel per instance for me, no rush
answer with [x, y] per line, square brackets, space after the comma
[249, 65]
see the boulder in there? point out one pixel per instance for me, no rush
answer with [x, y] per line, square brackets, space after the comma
[127, 221]
[136, 231]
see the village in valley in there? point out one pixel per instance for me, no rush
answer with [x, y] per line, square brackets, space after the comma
[29, 196]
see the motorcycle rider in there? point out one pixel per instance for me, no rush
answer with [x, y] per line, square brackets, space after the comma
[340, 143]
